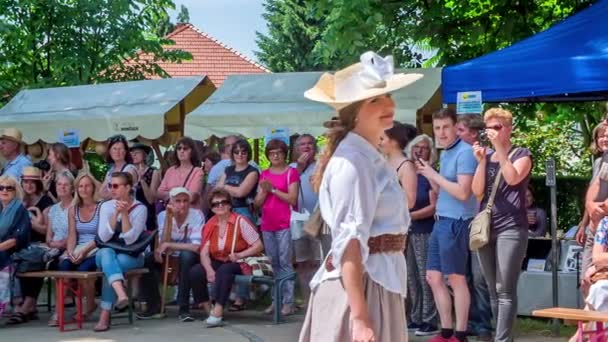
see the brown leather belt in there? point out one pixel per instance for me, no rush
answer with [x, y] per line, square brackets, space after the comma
[378, 244]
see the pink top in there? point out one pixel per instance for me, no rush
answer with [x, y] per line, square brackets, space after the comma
[276, 213]
[173, 179]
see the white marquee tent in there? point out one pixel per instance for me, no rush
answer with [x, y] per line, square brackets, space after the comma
[251, 104]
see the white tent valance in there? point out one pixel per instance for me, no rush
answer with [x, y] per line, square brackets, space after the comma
[249, 104]
[135, 108]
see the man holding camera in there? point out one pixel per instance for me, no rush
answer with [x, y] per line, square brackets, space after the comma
[471, 129]
[448, 248]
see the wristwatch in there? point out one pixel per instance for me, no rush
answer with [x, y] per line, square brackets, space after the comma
[273, 190]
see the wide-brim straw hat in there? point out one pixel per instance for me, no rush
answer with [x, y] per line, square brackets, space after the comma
[372, 76]
[31, 173]
[12, 134]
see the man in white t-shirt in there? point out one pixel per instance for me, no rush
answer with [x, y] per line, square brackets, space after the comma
[184, 243]
[306, 249]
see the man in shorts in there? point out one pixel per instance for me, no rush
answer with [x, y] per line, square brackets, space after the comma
[448, 249]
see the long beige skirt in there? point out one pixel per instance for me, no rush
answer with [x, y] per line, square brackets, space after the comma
[327, 317]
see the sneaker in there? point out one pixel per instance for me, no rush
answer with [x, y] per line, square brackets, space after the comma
[147, 315]
[186, 318]
[413, 326]
[426, 330]
[213, 321]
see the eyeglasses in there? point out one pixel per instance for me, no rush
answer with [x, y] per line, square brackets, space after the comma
[221, 203]
[7, 188]
[182, 148]
[495, 127]
[114, 185]
[275, 153]
[240, 152]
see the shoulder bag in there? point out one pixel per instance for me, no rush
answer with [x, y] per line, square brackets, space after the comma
[258, 265]
[479, 229]
[297, 218]
[118, 244]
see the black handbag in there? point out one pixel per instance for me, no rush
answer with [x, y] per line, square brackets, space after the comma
[31, 259]
[118, 244]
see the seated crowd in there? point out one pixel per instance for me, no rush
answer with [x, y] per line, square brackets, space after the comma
[208, 212]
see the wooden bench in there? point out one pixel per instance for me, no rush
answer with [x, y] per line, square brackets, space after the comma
[599, 334]
[276, 285]
[62, 284]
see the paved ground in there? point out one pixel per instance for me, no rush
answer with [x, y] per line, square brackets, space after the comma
[248, 326]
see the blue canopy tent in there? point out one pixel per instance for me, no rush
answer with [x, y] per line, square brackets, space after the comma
[567, 62]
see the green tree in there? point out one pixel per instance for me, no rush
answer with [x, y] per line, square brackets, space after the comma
[55, 43]
[296, 31]
[184, 15]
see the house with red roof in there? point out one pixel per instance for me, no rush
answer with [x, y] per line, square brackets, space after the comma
[210, 57]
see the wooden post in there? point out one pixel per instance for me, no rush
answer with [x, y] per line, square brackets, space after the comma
[256, 150]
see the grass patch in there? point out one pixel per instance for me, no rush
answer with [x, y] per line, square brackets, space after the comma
[541, 327]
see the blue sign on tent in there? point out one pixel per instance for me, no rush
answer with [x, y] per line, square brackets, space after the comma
[469, 102]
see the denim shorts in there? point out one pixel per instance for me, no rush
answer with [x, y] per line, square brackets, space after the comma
[448, 250]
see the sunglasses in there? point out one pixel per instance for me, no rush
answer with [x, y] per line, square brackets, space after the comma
[240, 152]
[118, 137]
[114, 185]
[182, 148]
[495, 127]
[7, 188]
[221, 203]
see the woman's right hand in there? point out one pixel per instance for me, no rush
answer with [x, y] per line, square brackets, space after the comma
[362, 331]
[211, 276]
[581, 236]
[479, 152]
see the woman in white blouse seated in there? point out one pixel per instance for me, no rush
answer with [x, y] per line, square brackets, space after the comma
[125, 213]
[364, 276]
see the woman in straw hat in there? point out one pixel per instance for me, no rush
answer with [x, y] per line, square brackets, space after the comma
[362, 283]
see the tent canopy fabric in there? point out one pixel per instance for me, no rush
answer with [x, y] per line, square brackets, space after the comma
[250, 104]
[566, 62]
[135, 108]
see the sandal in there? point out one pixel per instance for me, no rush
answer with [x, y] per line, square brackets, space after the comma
[122, 304]
[17, 318]
[269, 310]
[236, 307]
[101, 328]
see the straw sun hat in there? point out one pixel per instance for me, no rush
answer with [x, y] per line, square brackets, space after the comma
[12, 134]
[372, 76]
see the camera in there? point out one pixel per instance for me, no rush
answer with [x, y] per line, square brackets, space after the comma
[43, 165]
[483, 138]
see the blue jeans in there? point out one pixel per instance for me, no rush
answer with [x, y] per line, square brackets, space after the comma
[480, 313]
[278, 248]
[113, 265]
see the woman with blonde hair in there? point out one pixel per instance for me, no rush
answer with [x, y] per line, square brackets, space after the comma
[364, 276]
[422, 309]
[83, 223]
[502, 256]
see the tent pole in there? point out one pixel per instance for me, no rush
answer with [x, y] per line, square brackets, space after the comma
[550, 182]
[256, 150]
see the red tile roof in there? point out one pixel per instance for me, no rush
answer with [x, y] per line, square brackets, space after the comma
[210, 57]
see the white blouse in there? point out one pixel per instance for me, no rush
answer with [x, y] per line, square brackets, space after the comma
[137, 216]
[360, 197]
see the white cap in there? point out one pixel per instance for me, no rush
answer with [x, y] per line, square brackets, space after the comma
[179, 190]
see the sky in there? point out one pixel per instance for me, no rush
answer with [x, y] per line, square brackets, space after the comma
[232, 22]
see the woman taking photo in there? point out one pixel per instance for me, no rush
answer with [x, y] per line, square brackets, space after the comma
[119, 159]
[393, 143]
[219, 261]
[422, 310]
[121, 218]
[15, 228]
[186, 172]
[277, 194]
[59, 158]
[149, 180]
[364, 277]
[502, 257]
[241, 179]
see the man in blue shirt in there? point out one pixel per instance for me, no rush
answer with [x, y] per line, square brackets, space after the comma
[448, 249]
[10, 148]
